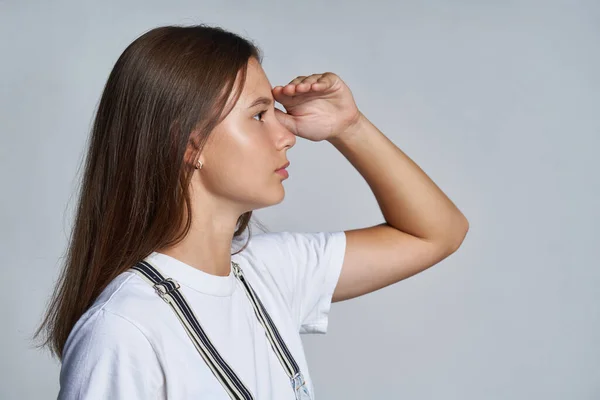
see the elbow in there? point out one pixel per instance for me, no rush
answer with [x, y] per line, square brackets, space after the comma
[449, 239]
[458, 236]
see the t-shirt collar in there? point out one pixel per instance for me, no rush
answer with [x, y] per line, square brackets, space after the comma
[191, 277]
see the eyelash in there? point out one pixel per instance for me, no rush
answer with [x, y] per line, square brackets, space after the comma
[260, 113]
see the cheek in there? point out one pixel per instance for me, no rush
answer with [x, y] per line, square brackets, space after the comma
[253, 150]
[243, 166]
[242, 154]
[249, 159]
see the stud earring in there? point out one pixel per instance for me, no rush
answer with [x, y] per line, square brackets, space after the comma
[198, 164]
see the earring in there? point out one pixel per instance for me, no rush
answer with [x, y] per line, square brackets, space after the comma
[198, 164]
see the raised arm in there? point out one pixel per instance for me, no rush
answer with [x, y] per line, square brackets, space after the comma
[422, 225]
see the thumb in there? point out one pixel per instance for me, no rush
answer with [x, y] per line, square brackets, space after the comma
[286, 120]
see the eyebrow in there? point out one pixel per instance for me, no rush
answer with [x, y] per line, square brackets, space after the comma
[261, 100]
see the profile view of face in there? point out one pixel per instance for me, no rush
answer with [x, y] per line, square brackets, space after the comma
[245, 149]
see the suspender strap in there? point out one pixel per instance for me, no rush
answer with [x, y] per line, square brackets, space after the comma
[168, 290]
[283, 353]
[281, 350]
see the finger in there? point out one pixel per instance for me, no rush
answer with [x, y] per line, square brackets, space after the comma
[306, 83]
[325, 81]
[300, 83]
[314, 82]
[280, 95]
[297, 80]
[286, 120]
[289, 89]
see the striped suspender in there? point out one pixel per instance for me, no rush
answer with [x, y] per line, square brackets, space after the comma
[167, 289]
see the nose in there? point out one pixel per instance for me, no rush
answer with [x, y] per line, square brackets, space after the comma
[285, 137]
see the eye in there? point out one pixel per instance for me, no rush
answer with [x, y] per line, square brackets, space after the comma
[260, 114]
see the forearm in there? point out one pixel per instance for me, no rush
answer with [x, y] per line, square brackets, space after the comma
[409, 200]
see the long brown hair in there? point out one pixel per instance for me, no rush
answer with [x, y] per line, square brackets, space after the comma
[167, 91]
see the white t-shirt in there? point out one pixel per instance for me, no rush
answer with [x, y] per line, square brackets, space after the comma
[131, 345]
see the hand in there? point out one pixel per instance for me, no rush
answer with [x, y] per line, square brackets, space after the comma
[318, 107]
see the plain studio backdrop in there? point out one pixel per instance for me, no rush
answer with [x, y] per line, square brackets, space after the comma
[498, 102]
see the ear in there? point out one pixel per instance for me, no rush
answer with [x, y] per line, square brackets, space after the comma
[192, 153]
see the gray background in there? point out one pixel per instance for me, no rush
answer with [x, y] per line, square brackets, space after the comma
[498, 102]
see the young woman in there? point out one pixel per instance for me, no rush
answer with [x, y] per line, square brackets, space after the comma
[186, 143]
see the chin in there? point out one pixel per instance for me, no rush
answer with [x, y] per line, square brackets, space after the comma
[277, 193]
[276, 196]
[280, 195]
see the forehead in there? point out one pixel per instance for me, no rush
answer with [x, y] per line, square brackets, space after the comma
[257, 85]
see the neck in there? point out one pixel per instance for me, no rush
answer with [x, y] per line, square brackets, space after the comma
[207, 246]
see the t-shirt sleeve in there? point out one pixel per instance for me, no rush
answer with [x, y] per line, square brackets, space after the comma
[310, 263]
[108, 357]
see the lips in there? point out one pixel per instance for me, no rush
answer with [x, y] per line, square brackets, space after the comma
[283, 166]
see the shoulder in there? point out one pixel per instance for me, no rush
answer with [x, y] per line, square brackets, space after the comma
[108, 351]
[301, 267]
[117, 315]
[119, 301]
[287, 253]
[108, 354]
[102, 330]
[126, 296]
[292, 246]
